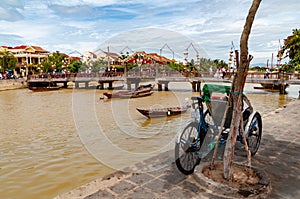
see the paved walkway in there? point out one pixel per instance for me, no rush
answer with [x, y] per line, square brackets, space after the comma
[278, 155]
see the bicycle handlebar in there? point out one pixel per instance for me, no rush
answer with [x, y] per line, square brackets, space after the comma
[199, 100]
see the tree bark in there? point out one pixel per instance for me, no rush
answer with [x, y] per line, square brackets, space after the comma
[238, 87]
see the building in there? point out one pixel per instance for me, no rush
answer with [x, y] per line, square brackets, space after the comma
[113, 58]
[26, 54]
[141, 58]
[89, 57]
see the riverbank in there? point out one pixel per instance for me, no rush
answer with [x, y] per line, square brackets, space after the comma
[158, 177]
[10, 84]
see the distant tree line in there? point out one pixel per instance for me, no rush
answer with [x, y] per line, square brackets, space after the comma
[7, 61]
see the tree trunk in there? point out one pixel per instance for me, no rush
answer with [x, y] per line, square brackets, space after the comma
[238, 87]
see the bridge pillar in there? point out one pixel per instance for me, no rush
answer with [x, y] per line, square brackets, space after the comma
[76, 84]
[136, 85]
[196, 86]
[159, 86]
[86, 84]
[128, 86]
[101, 85]
[193, 86]
[166, 86]
[65, 85]
[133, 80]
[110, 84]
[160, 83]
[282, 88]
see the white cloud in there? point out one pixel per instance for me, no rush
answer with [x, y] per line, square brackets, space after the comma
[9, 14]
[12, 3]
[85, 24]
[82, 2]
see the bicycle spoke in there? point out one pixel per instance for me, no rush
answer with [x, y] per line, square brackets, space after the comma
[254, 134]
[185, 149]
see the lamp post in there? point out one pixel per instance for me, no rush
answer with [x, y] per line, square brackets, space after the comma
[230, 58]
[198, 61]
[53, 67]
[26, 69]
[64, 63]
[197, 54]
[186, 54]
[166, 45]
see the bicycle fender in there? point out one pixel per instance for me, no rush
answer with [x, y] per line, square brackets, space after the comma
[249, 122]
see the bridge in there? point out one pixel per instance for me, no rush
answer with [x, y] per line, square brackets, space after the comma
[276, 80]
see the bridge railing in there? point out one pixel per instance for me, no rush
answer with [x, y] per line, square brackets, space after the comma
[151, 74]
[103, 74]
[147, 74]
[273, 75]
[74, 75]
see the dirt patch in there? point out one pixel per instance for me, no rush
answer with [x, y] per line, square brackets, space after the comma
[243, 176]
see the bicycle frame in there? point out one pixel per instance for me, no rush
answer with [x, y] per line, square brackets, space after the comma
[201, 123]
[198, 137]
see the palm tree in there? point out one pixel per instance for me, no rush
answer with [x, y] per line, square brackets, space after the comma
[292, 49]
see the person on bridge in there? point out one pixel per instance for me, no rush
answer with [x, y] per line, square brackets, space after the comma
[231, 72]
[267, 73]
[223, 72]
[217, 74]
[210, 72]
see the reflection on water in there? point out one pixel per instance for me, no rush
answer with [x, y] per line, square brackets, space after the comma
[52, 142]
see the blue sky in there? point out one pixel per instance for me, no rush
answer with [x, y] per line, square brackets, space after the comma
[91, 25]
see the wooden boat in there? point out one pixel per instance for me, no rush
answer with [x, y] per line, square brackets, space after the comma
[116, 94]
[115, 88]
[258, 87]
[162, 112]
[48, 88]
[273, 86]
[136, 94]
[141, 91]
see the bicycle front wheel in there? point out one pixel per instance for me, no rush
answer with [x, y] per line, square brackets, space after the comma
[254, 134]
[186, 146]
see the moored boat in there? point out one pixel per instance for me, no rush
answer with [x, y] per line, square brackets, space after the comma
[116, 87]
[141, 91]
[274, 86]
[115, 94]
[162, 112]
[47, 88]
[136, 94]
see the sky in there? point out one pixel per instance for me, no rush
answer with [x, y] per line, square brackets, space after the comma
[207, 28]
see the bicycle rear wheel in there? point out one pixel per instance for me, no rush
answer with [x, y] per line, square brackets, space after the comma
[187, 145]
[254, 134]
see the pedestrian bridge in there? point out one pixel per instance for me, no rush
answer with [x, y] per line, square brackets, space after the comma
[276, 80]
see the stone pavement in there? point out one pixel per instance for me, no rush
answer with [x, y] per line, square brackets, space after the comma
[158, 177]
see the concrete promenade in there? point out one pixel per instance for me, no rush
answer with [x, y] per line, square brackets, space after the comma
[9, 84]
[158, 177]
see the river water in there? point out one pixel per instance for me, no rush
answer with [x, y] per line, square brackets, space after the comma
[52, 142]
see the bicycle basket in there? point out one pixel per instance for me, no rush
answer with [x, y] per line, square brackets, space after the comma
[217, 104]
[218, 107]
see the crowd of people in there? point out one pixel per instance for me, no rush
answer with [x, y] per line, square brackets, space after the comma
[8, 75]
[222, 72]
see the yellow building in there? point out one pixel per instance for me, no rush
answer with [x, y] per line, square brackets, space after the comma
[26, 54]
